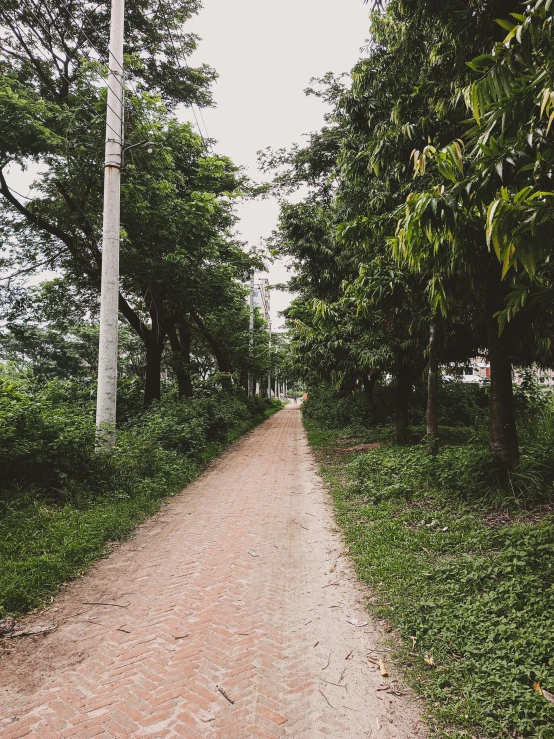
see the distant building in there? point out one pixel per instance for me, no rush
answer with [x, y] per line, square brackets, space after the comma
[261, 298]
[479, 370]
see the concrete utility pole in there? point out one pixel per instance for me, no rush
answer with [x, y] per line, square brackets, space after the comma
[269, 366]
[109, 297]
[251, 342]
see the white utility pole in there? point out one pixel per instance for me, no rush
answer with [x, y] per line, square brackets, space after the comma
[251, 341]
[269, 366]
[109, 298]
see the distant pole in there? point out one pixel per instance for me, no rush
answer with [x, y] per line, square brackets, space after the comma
[109, 296]
[269, 366]
[251, 340]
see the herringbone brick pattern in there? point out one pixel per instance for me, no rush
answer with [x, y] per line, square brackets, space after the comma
[182, 632]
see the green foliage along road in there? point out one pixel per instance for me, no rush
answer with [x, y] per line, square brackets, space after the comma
[61, 503]
[182, 298]
[426, 234]
[184, 319]
[461, 570]
[422, 239]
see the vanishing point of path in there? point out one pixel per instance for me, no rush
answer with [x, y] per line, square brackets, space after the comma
[225, 616]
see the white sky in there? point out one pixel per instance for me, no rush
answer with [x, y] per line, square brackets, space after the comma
[265, 54]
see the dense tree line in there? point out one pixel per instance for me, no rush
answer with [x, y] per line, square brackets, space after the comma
[426, 234]
[182, 299]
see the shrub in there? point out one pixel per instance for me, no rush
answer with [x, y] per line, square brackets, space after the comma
[60, 501]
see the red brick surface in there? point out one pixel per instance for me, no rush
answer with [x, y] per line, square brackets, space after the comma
[202, 623]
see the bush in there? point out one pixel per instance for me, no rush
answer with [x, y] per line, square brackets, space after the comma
[459, 406]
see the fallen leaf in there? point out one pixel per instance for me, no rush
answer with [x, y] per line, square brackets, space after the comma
[545, 693]
[356, 622]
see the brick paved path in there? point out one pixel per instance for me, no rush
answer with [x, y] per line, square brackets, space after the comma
[207, 640]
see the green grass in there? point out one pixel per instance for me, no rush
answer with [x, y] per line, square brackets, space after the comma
[46, 541]
[465, 581]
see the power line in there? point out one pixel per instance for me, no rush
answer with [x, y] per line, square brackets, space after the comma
[147, 129]
[177, 57]
[84, 79]
[31, 10]
[144, 124]
[25, 197]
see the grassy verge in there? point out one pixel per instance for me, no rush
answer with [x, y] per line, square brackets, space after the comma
[464, 575]
[52, 533]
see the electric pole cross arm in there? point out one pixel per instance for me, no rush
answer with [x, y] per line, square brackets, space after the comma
[108, 351]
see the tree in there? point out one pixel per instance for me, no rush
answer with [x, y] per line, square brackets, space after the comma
[179, 261]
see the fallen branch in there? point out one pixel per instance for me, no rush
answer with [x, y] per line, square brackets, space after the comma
[93, 603]
[336, 684]
[323, 694]
[224, 694]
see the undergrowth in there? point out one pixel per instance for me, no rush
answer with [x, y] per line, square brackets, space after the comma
[60, 503]
[464, 568]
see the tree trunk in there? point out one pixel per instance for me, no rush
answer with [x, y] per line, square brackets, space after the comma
[369, 382]
[403, 391]
[153, 383]
[432, 391]
[180, 349]
[223, 362]
[503, 438]
[185, 338]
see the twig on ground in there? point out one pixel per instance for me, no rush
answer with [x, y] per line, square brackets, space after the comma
[350, 653]
[327, 700]
[336, 684]
[328, 660]
[224, 694]
[97, 603]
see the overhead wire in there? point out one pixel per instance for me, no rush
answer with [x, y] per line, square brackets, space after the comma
[84, 79]
[146, 125]
[178, 58]
[105, 79]
[146, 130]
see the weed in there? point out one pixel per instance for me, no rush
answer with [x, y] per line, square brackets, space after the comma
[480, 599]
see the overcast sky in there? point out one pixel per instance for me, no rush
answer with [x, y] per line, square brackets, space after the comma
[265, 54]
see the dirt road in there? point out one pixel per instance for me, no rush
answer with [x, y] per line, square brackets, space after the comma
[224, 616]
